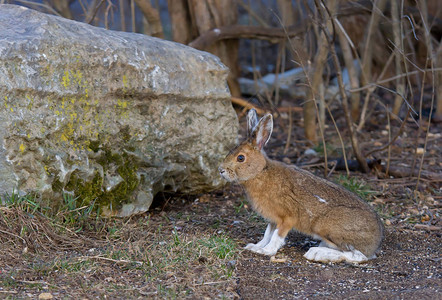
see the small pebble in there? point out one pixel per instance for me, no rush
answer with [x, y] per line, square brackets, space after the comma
[310, 152]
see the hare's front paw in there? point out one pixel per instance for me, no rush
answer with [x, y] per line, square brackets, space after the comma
[272, 247]
[270, 251]
[264, 250]
[252, 247]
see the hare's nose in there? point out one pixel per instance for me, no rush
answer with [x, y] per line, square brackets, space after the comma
[221, 170]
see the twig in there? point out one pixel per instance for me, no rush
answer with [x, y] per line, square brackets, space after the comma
[424, 17]
[335, 163]
[261, 111]
[354, 141]
[364, 109]
[428, 227]
[377, 83]
[212, 282]
[124, 261]
[401, 130]
[342, 142]
[389, 144]
[403, 172]
[91, 17]
[49, 8]
[14, 235]
[37, 282]
[252, 13]
[289, 134]
[368, 95]
[247, 105]
[278, 68]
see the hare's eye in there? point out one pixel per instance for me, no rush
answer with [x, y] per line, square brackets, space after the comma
[240, 158]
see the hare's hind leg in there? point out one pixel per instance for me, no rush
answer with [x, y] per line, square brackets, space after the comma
[325, 255]
[265, 240]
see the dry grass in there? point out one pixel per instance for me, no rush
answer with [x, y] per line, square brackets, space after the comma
[160, 256]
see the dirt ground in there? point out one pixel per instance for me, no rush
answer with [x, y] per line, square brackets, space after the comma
[408, 266]
[192, 247]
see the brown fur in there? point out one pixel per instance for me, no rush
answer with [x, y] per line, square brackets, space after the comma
[294, 198]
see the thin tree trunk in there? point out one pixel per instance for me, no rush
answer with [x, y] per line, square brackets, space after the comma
[352, 74]
[367, 56]
[152, 16]
[62, 6]
[397, 37]
[182, 29]
[438, 113]
[316, 81]
[209, 14]
[122, 15]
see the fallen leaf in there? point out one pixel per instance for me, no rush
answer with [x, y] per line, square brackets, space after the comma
[204, 199]
[278, 260]
[420, 151]
[45, 296]
[377, 144]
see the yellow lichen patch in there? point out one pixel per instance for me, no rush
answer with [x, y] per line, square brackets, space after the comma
[22, 148]
[78, 76]
[125, 81]
[66, 81]
[30, 102]
[47, 170]
[121, 103]
[63, 137]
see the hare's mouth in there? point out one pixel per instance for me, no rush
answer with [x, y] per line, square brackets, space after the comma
[226, 174]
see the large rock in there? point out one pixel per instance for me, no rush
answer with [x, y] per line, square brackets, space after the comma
[110, 117]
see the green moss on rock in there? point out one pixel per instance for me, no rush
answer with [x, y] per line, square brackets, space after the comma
[93, 191]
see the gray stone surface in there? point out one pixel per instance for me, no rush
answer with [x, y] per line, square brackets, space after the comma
[110, 117]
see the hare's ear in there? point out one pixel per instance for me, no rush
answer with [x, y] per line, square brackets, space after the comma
[263, 131]
[252, 121]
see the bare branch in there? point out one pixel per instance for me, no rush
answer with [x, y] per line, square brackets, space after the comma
[273, 35]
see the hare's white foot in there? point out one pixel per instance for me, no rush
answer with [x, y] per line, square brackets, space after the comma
[273, 246]
[252, 247]
[325, 255]
[265, 240]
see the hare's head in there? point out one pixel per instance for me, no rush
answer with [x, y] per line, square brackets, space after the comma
[249, 159]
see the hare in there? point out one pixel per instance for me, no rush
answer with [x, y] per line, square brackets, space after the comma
[292, 198]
